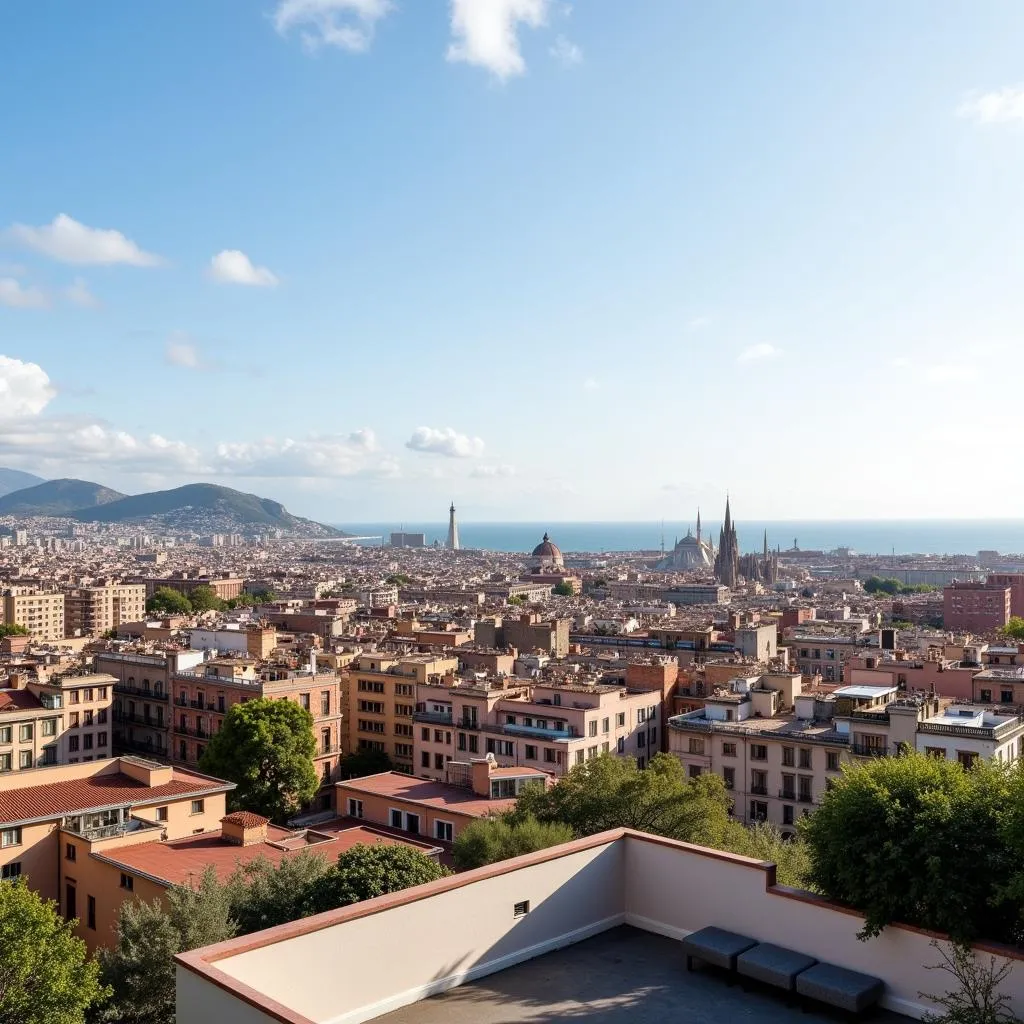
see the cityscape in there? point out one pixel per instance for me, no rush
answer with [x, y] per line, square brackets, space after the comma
[506, 513]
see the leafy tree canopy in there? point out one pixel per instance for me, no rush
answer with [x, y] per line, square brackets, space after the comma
[488, 840]
[612, 792]
[12, 629]
[1014, 628]
[364, 762]
[169, 601]
[891, 585]
[46, 975]
[266, 748]
[205, 599]
[364, 872]
[564, 589]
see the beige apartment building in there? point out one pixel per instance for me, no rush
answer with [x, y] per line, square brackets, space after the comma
[382, 700]
[777, 746]
[527, 632]
[548, 726]
[90, 611]
[41, 613]
[61, 720]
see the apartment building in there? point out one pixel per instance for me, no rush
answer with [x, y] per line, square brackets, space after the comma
[54, 820]
[91, 611]
[224, 586]
[777, 746]
[825, 654]
[933, 672]
[528, 632]
[382, 699]
[41, 613]
[1002, 685]
[976, 607]
[1015, 581]
[55, 720]
[547, 726]
[472, 789]
[200, 699]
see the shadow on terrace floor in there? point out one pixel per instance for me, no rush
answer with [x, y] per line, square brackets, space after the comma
[623, 976]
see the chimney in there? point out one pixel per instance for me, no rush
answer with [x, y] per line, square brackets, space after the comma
[482, 775]
[17, 680]
[243, 828]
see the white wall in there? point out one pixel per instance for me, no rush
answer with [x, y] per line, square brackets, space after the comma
[198, 1001]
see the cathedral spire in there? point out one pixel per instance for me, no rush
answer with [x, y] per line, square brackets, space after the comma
[698, 523]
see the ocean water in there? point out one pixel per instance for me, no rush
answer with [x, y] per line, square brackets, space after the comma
[864, 536]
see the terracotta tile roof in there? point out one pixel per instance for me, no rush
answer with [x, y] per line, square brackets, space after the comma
[181, 860]
[245, 819]
[54, 799]
[18, 700]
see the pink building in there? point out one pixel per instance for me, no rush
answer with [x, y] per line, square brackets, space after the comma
[975, 607]
[1015, 581]
[547, 726]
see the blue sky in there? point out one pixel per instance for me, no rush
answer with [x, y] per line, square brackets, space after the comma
[598, 260]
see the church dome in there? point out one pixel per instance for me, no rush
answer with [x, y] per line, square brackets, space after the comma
[545, 549]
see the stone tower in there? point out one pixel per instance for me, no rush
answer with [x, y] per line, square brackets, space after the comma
[452, 543]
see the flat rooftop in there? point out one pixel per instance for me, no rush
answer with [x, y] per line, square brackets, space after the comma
[623, 976]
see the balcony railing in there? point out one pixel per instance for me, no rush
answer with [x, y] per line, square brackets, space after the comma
[123, 744]
[149, 722]
[805, 798]
[435, 718]
[140, 691]
[863, 750]
[507, 729]
[759, 790]
[787, 794]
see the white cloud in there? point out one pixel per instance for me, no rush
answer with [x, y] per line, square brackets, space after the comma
[25, 388]
[485, 32]
[364, 438]
[698, 323]
[756, 353]
[591, 384]
[68, 241]
[1006, 104]
[447, 442]
[17, 296]
[345, 24]
[566, 52]
[327, 456]
[490, 472]
[951, 373]
[231, 266]
[182, 352]
[78, 294]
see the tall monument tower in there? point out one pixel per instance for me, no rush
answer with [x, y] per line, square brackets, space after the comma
[452, 543]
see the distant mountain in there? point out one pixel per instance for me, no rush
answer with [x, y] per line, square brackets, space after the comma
[56, 498]
[203, 508]
[16, 480]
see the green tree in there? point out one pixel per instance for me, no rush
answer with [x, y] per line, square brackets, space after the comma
[612, 792]
[915, 839]
[488, 840]
[139, 968]
[764, 841]
[363, 762]
[264, 895]
[13, 629]
[169, 601]
[564, 589]
[266, 748]
[46, 975]
[1014, 628]
[205, 599]
[367, 871]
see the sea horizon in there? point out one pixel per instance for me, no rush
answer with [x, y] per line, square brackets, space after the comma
[862, 536]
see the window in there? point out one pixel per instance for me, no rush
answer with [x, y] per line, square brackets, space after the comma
[693, 771]
[87, 718]
[425, 735]
[10, 871]
[788, 758]
[641, 739]
[72, 743]
[101, 716]
[641, 716]
[161, 814]
[758, 752]
[759, 782]
[198, 806]
[87, 741]
[521, 909]
[620, 720]
[49, 727]
[70, 851]
[73, 697]
[91, 913]
[804, 783]
[369, 686]
[424, 759]
[592, 728]
[25, 759]
[832, 760]
[729, 775]
[5, 734]
[473, 744]
[325, 702]
[652, 737]
[10, 836]
[412, 823]
[355, 808]
[531, 752]
[443, 830]
[696, 746]
[101, 739]
[728, 750]
[580, 755]
[439, 762]
[402, 729]
[787, 814]
[939, 752]
[5, 762]
[127, 882]
[462, 741]
[605, 725]
[1006, 696]
[805, 757]
[967, 758]
[620, 746]
[395, 818]
[758, 810]
[88, 694]
[788, 787]
[373, 707]
[25, 733]
[503, 747]
[985, 696]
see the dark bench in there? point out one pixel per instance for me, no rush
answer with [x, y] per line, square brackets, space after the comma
[839, 987]
[773, 965]
[715, 946]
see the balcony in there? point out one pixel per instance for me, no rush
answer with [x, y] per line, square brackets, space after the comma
[758, 790]
[139, 691]
[787, 794]
[137, 746]
[805, 798]
[147, 721]
[863, 750]
[436, 718]
[507, 729]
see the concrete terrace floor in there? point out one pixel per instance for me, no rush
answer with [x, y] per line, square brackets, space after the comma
[623, 976]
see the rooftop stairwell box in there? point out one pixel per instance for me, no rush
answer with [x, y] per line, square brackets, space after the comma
[338, 967]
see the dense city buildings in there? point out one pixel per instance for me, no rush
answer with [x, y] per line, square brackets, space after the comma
[976, 607]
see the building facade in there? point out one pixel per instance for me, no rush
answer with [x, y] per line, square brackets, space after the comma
[976, 607]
